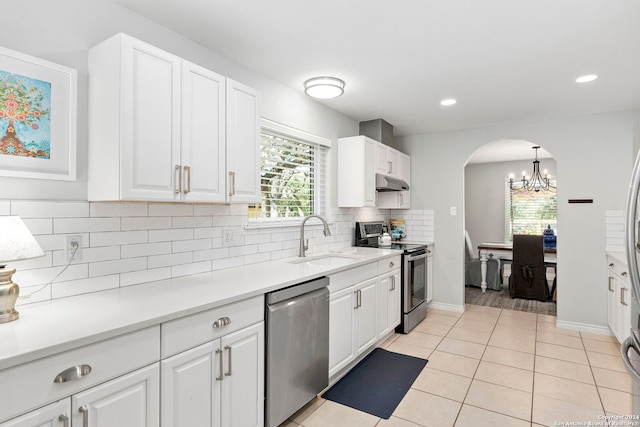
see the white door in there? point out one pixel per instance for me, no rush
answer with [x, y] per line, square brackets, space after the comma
[393, 301]
[380, 155]
[53, 415]
[612, 304]
[384, 286]
[129, 401]
[191, 387]
[341, 338]
[366, 315]
[243, 383]
[243, 143]
[203, 134]
[150, 125]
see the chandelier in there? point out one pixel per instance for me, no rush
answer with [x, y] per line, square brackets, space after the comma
[536, 183]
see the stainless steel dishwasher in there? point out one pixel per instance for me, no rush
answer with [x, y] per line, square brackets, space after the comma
[297, 356]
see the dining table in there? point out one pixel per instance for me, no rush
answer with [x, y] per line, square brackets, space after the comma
[504, 251]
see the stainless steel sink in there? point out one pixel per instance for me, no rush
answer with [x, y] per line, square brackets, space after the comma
[329, 259]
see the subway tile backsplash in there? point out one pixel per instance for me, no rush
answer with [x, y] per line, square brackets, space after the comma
[125, 244]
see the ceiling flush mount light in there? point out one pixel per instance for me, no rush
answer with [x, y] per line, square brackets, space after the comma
[586, 78]
[447, 102]
[536, 183]
[324, 87]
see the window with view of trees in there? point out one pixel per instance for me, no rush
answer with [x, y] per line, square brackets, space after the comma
[529, 212]
[292, 177]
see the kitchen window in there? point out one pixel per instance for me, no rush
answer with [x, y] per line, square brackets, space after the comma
[529, 213]
[292, 175]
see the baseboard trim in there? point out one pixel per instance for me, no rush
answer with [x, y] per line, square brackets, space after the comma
[584, 327]
[446, 307]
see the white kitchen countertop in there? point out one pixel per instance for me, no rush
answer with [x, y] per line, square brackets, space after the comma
[50, 327]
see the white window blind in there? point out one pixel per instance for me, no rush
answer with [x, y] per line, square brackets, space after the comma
[292, 177]
[529, 213]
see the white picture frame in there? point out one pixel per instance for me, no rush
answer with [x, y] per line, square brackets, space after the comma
[38, 118]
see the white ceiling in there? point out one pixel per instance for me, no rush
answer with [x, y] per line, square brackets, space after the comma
[507, 150]
[503, 60]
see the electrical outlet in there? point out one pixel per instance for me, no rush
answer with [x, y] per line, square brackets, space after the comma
[74, 243]
[228, 236]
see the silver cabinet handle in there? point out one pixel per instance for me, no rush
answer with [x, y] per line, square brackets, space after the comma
[622, 291]
[356, 294]
[232, 176]
[64, 418]
[390, 168]
[623, 274]
[187, 172]
[85, 415]
[391, 264]
[610, 281]
[72, 374]
[228, 348]
[178, 190]
[223, 321]
[611, 265]
[220, 376]
[359, 298]
[393, 283]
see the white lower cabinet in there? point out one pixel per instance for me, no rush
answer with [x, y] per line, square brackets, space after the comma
[389, 301]
[364, 307]
[86, 399]
[216, 384]
[618, 299]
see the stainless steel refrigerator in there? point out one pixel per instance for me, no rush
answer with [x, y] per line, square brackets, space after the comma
[630, 347]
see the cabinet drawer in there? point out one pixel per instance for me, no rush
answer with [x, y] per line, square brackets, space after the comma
[618, 267]
[352, 276]
[388, 264]
[191, 331]
[32, 384]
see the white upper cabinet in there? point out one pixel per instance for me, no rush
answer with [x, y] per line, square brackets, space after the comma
[164, 129]
[243, 143]
[356, 174]
[386, 159]
[398, 199]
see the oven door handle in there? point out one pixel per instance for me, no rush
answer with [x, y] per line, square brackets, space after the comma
[417, 257]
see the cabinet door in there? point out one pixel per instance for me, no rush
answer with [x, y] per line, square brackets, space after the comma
[341, 338]
[612, 304]
[384, 286]
[243, 143]
[356, 172]
[393, 301]
[392, 162]
[52, 415]
[404, 173]
[623, 320]
[150, 126]
[191, 387]
[382, 166]
[203, 134]
[429, 275]
[366, 326]
[243, 383]
[128, 401]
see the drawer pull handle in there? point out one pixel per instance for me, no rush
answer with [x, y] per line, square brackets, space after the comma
[622, 291]
[223, 321]
[611, 265]
[391, 264]
[393, 283]
[220, 376]
[228, 348]
[64, 419]
[623, 274]
[610, 282]
[72, 374]
[85, 415]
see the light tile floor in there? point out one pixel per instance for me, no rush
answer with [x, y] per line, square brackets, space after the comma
[495, 367]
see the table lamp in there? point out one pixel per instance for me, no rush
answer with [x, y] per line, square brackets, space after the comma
[16, 243]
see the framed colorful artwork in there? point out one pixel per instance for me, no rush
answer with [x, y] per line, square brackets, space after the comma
[38, 118]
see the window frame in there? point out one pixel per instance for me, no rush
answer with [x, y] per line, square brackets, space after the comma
[508, 229]
[279, 129]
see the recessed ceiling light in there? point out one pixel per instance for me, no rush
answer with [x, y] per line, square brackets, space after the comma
[324, 87]
[587, 78]
[449, 101]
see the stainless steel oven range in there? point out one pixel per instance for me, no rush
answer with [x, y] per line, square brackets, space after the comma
[414, 272]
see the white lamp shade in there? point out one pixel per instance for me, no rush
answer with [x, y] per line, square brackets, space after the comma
[16, 241]
[324, 87]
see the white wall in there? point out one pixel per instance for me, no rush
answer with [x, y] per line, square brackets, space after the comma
[594, 160]
[484, 196]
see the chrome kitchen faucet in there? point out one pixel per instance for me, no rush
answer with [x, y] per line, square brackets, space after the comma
[305, 245]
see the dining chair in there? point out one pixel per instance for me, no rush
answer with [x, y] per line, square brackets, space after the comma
[473, 274]
[528, 270]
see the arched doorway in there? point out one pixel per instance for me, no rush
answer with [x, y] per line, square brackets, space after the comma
[494, 210]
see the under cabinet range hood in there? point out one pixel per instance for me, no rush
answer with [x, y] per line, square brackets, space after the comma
[387, 183]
